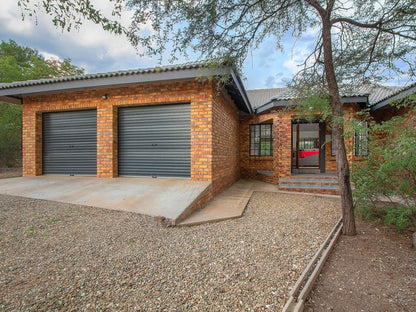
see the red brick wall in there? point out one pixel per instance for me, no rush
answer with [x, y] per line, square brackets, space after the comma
[281, 161]
[197, 93]
[250, 164]
[225, 140]
[284, 122]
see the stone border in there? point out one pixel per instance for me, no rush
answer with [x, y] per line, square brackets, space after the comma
[304, 284]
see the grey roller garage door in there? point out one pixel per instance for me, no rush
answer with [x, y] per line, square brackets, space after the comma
[69, 142]
[155, 141]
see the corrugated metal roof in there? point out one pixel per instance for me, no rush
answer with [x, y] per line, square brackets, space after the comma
[158, 69]
[259, 97]
[15, 91]
[375, 94]
[394, 91]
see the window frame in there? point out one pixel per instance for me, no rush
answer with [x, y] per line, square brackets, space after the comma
[333, 151]
[255, 148]
[359, 139]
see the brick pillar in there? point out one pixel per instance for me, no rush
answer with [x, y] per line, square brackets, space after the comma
[276, 150]
[201, 136]
[31, 142]
[284, 122]
[106, 140]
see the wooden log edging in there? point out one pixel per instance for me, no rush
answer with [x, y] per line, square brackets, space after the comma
[304, 284]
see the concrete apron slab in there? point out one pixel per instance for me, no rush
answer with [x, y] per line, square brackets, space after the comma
[167, 198]
[229, 204]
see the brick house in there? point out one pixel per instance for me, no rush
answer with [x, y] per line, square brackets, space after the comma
[172, 121]
[297, 146]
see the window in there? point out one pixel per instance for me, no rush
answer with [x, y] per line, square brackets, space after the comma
[332, 143]
[261, 140]
[361, 140]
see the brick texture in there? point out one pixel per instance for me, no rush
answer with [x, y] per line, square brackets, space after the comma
[225, 141]
[249, 165]
[280, 163]
[214, 127]
[198, 94]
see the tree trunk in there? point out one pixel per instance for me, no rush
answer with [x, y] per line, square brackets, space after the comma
[343, 169]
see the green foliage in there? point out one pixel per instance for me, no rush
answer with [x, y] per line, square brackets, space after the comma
[389, 172]
[400, 216]
[10, 134]
[369, 36]
[18, 63]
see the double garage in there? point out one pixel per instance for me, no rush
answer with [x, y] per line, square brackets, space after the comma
[152, 141]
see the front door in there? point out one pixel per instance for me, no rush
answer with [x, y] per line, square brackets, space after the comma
[305, 145]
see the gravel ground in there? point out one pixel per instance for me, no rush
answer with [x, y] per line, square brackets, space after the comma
[56, 256]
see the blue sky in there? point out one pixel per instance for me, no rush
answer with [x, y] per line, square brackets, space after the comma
[98, 51]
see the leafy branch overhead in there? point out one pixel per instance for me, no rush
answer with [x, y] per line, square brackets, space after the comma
[370, 39]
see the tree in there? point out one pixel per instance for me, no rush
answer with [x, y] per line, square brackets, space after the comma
[390, 170]
[356, 41]
[18, 63]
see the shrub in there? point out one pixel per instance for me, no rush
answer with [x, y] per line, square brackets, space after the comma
[389, 173]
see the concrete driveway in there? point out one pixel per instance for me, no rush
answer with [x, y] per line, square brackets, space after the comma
[168, 198]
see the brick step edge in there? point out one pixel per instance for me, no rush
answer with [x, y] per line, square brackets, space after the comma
[310, 186]
[311, 181]
[312, 191]
[312, 176]
[318, 186]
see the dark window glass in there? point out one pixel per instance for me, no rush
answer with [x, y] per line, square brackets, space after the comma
[261, 140]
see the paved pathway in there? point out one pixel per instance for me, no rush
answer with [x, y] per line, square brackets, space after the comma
[229, 204]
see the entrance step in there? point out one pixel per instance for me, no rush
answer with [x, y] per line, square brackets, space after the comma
[320, 184]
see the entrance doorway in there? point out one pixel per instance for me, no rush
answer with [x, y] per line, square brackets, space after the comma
[306, 147]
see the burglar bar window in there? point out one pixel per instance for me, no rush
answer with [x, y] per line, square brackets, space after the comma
[261, 140]
[332, 143]
[361, 140]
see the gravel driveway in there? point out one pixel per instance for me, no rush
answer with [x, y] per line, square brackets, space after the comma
[56, 256]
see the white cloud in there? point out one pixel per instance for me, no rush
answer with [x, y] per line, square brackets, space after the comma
[49, 56]
[11, 20]
[91, 47]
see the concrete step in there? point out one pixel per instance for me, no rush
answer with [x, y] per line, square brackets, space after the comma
[311, 190]
[309, 181]
[313, 176]
[320, 184]
[310, 186]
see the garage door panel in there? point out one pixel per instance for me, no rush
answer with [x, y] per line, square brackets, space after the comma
[69, 142]
[155, 140]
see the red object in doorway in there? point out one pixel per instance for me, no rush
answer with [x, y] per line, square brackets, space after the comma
[304, 154]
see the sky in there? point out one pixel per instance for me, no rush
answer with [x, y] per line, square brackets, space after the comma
[98, 51]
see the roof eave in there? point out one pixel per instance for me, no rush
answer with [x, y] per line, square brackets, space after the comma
[114, 81]
[360, 99]
[242, 91]
[11, 99]
[292, 102]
